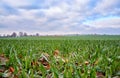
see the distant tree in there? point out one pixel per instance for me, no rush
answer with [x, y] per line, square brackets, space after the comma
[37, 34]
[13, 34]
[25, 34]
[21, 34]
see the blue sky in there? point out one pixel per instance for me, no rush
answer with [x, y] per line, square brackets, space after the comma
[60, 16]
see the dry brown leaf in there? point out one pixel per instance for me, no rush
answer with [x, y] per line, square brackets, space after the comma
[3, 60]
[57, 56]
[11, 69]
[56, 53]
[47, 66]
[2, 70]
[34, 63]
[44, 61]
[99, 75]
[86, 62]
[49, 75]
[46, 55]
[8, 75]
[2, 55]
[76, 63]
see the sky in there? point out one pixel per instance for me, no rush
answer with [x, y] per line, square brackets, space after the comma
[60, 16]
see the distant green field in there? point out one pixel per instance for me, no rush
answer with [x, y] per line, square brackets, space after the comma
[80, 37]
[86, 56]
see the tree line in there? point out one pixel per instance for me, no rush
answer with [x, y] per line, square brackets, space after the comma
[20, 34]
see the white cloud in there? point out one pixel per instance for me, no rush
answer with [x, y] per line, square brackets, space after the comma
[52, 11]
[113, 22]
[80, 5]
[56, 16]
[106, 6]
[2, 11]
[28, 14]
[17, 3]
[6, 20]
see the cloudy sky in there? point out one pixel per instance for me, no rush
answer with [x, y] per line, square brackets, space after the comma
[60, 16]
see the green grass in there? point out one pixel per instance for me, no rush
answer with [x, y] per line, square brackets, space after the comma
[102, 53]
[70, 37]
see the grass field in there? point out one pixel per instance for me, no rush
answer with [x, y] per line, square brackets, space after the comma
[70, 37]
[60, 57]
